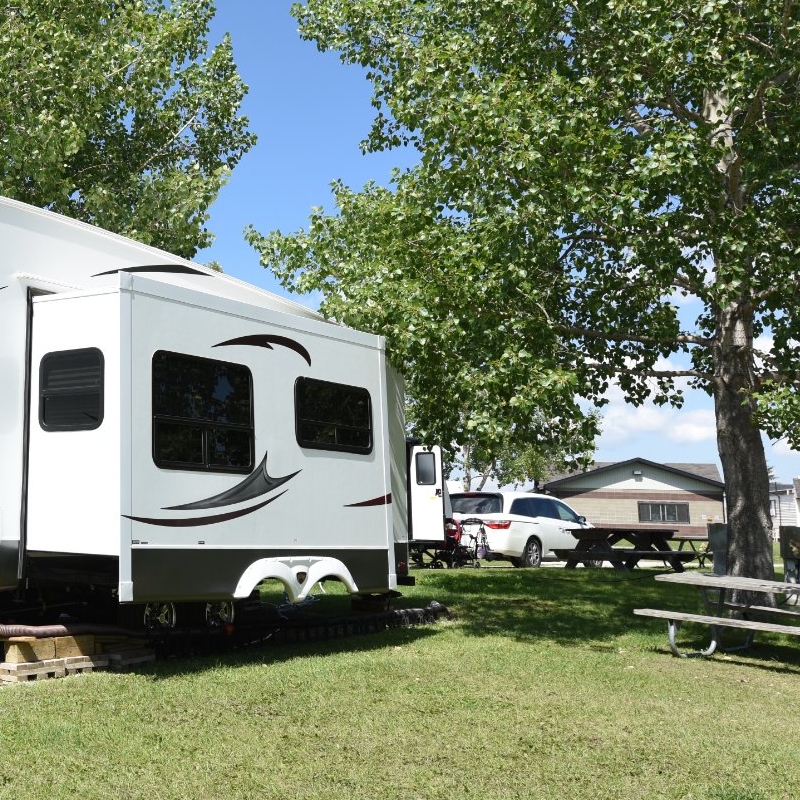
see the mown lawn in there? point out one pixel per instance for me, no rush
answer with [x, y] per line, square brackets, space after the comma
[542, 685]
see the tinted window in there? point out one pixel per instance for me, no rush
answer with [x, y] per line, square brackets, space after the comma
[202, 414]
[332, 416]
[524, 507]
[544, 507]
[71, 390]
[426, 469]
[565, 512]
[476, 503]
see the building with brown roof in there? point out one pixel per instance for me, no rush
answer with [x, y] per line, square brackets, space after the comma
[645, 493]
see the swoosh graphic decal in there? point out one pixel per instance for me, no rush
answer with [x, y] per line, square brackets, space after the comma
[376, 501]
[259, 482]
[173, 269]
[193, 522]
[266, 340]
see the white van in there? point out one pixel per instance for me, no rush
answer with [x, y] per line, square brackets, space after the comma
[522, 527]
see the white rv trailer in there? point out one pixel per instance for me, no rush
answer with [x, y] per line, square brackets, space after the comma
[171, 434]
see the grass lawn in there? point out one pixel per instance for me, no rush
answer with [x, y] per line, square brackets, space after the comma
[543, 685]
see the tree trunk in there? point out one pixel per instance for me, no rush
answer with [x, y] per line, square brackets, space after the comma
[741, 449]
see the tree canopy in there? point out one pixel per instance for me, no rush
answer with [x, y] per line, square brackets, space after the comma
[117, 114]
[602, 185]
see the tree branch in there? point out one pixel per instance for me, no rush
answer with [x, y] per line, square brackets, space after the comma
[653, 373]
[682, 338]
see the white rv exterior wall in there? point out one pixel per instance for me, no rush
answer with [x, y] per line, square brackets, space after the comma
[314, 508]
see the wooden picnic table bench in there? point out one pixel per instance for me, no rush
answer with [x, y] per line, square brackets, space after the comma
[723, 610]
[625, 558]
[600, 544]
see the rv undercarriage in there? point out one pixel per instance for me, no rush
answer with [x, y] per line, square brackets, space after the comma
[57, 608]
[84, 590]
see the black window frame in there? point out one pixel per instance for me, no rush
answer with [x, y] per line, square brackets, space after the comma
[303, 422]
[206, 426]
[79, 388]
[663, 518]
[425, 466]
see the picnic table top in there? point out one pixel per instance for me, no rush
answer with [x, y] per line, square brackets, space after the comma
[711, 580]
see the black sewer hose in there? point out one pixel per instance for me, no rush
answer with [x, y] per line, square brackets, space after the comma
[77, 629]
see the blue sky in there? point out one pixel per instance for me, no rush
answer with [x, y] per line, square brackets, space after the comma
[310, 113]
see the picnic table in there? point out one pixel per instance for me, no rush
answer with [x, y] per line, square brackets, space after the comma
[595, 545]
[730, 602]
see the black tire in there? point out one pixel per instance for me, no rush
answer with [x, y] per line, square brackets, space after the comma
[593, 564]
[532, 554]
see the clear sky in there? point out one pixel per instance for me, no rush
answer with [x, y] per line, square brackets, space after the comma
[310, 113]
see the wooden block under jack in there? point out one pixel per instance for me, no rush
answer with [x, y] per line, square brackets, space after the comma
[69, 646]
[24, 649]
[28, 649]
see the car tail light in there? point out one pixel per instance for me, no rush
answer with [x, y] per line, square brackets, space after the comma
[498, 524]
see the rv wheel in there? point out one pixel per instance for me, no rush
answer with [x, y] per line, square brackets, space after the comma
[159, 615]
[219, 614]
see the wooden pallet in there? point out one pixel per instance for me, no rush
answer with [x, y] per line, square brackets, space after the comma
[21, 671]
[28, 658]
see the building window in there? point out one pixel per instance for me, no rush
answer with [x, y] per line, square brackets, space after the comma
[332, 416]
[664, 512]
[202, 414]
[71, 390]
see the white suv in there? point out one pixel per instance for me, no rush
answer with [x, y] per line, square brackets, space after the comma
[522, 527]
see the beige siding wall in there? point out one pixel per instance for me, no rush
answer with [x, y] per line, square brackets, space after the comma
[608, 507]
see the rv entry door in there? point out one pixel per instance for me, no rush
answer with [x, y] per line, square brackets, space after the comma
[428, 500]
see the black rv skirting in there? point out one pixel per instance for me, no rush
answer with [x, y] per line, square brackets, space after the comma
[208, 574]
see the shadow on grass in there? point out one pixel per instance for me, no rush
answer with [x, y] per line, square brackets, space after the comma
[569, 606]
[581, 607]
[284, 639]
[584, 607]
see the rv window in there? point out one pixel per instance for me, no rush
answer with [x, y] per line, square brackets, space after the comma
[426, 469]
[331, 416]
[202, 414]
[71, 390]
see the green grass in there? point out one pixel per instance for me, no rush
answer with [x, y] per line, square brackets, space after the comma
[543, 685]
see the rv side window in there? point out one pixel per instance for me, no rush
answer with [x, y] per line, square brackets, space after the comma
[332, 416]
[426, 469]
[202, 414]
[71, 390]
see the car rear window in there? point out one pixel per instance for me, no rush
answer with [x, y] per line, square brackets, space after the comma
[477, 503]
